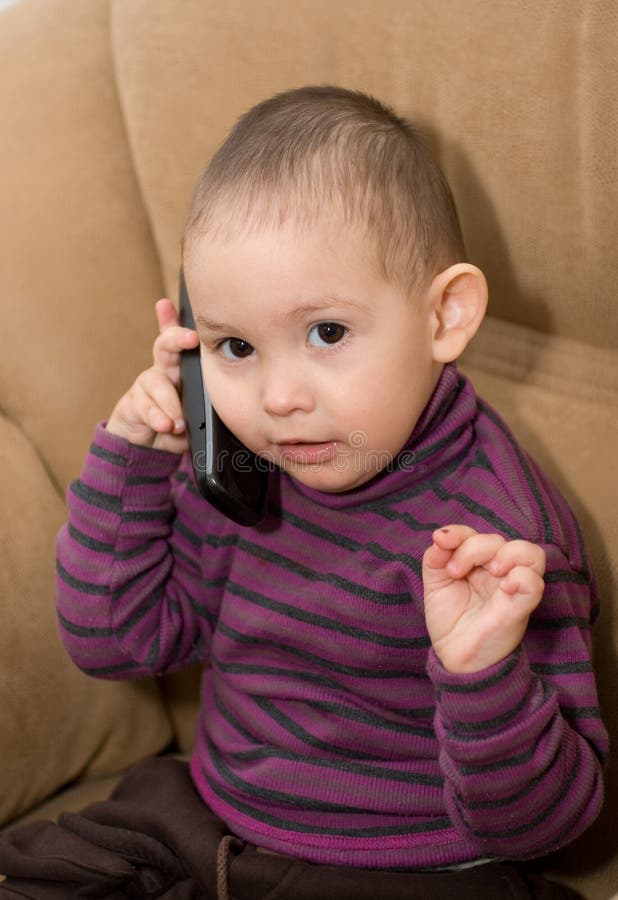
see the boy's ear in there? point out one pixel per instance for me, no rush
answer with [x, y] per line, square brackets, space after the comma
[458, 298]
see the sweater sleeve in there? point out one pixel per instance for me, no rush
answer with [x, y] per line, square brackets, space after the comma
[131, 601]
[522, 743]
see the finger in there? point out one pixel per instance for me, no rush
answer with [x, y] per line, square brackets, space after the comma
[435, 557]
[523, 585]
[166, 313]
[518, 553]
[450, 537]
[159, 403]
[169, 345]
[474, 552]
[434, 572]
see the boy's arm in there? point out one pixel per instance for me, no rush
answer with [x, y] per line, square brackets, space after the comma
[131, 597]
[522, 741]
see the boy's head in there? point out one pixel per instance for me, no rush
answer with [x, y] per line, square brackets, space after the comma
[319, 155]
[324, 261]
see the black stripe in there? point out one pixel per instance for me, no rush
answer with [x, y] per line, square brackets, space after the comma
[364, 718]
[482, 461]
[383, 506]
[525, 467]
[446, 441]
[289, 675]
[203, 612]
[560, 623]
[218, 582]
[231, 719]
[483, 683]
[295, 801]
[144, 607]
[108, 502]
[89, 631]
[350, 767]
[439, 824]
[470, 730]
[564, 575]
[189, 561]
[86, 587]
[147, 515]
[573, 713]
[560, 839]
[510, 762]
[320, 661]
[499, 802]
[333, 538]
[116, 670]
[130, 583]
[187, 482]
[276, 671]
[134, 552]
[386, 509]
[297, 731]
[140, 480]
[385, 598]
[479, 509]
[571, 774]
[339, 764]
[115, 459]
[347, 543]
[562, 668]
[338, 709]
[90, 543]
[319, 621]
[155, 596]
[193, 538]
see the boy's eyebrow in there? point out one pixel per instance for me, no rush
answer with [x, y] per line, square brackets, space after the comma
[211, 324]
[298, 312]
[316, 306]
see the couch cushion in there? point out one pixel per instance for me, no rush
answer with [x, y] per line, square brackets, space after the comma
[57, 724]
[520, 97]
[78, 273]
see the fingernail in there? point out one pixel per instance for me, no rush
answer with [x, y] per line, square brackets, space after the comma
[179, 424]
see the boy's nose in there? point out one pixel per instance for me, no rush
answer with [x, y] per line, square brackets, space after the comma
[285, 390]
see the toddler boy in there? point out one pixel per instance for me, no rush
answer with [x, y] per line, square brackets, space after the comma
[398, 696]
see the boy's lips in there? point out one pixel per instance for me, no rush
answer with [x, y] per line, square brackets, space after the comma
[306, 452]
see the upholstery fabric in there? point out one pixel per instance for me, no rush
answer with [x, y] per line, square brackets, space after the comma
[57, 724]
[517, 95]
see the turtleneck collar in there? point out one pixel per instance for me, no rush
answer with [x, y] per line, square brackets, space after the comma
[442, 432]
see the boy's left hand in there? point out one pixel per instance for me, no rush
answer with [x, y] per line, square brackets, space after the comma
[479, 593]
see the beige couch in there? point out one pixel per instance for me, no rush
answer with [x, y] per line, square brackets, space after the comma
[109, 109]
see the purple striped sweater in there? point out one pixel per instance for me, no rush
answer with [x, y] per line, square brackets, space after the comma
[328, 728]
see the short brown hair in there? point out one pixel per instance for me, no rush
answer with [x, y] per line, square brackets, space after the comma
[313, 153]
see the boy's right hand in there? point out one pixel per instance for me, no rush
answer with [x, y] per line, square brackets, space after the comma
[150, 413]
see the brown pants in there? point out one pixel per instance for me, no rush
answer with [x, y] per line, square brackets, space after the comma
[155, 838]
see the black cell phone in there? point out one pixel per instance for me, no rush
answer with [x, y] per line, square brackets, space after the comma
[227, 473]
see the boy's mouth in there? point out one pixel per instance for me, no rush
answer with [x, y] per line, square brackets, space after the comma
[306, 452]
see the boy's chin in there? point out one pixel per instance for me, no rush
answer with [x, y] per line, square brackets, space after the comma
[327, 478]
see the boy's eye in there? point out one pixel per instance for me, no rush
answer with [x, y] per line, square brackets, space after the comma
[326, 333]
[236, 348]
